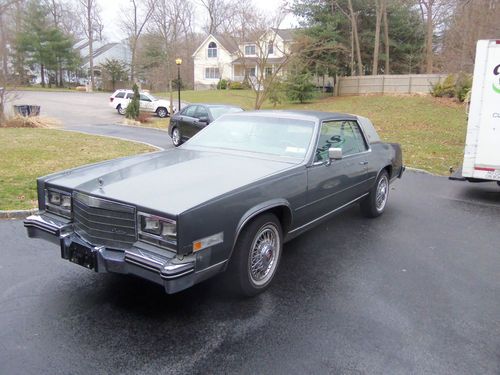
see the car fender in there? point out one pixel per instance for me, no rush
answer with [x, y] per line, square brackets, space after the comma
[255, 211]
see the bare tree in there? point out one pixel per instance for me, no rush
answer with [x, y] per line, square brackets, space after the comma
[434, 13]
[220, 14]
[386, 37]
[5, 77]
[133, 24]
[355, 44]
[264, 66]
[471, 20]
[379, 10]
[92, 26]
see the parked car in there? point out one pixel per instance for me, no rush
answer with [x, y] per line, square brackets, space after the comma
[226, 200]
[120, 99]
[194, 117]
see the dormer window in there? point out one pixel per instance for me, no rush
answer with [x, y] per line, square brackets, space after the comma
[270, 48]
[212, 49]
[250, 49]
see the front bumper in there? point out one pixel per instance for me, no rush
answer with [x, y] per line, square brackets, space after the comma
[162, 267]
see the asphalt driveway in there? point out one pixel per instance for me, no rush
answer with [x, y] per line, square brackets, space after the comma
[416, 291]
[88, 113]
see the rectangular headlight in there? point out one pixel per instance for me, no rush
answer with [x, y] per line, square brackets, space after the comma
[157, 230]
[58, 202]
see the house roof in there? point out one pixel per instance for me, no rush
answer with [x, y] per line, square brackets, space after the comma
[99, 51]
[227, 42]
[286, 34]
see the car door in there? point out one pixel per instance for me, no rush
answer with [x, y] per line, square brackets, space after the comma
[202, 118]
[334, 183]
[186, 121]
[146, 103]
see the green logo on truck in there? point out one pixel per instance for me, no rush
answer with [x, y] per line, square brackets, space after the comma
[496, 72]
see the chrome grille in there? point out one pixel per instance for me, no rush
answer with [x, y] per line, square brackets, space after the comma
[103, 222]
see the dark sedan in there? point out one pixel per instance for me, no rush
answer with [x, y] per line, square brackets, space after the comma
[226, 200]
[194, 117]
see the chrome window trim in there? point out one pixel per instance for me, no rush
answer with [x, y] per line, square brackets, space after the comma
[316, 163]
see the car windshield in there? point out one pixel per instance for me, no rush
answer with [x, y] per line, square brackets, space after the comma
[219, 111]
[268, 135]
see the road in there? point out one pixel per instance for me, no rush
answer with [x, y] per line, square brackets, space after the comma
[415, 291]
[88, 113]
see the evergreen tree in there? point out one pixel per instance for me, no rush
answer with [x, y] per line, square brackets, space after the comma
[132, 111]
[299, 86]
[114, 70]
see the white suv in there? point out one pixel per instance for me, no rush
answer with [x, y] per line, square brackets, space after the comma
[148, 103]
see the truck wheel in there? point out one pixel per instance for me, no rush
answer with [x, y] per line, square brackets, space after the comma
[121, 110]
[374, 204]
[162, 112]
[176, 137]
[256, 256]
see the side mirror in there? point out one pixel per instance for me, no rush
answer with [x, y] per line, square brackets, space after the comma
[204, 119]
[335, 153]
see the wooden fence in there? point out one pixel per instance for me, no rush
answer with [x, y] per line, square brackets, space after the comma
[387, 84]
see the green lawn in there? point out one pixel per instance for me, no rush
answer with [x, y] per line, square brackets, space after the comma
[26, 154]
[431, 131]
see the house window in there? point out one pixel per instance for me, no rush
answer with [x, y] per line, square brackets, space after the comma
[212, 49]
[270, 48]
[250, 72]
[212, 73]
[250, 49]
[269, 71]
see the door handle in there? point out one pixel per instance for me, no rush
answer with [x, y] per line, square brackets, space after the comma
[363, 162]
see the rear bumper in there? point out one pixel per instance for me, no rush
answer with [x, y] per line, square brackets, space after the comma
[173, 273]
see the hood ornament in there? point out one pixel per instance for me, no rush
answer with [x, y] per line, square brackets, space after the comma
[100, 181]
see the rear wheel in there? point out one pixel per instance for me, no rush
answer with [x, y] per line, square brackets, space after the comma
[374, 204]
[120, 109]
[162, 112]
[256, 256]
[176, 137]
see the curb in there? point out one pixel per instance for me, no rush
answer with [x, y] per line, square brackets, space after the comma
[17, 214]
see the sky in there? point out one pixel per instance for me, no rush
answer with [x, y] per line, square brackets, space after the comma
[111, 16]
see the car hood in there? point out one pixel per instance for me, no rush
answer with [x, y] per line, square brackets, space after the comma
[162, 102]
[170, 181]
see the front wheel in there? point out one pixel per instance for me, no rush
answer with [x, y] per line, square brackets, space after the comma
[162, 112]
[121, 110]
[256, 256]
[374, 204]
[176, 137]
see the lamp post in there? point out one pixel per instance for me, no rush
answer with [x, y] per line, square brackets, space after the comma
[178, 62]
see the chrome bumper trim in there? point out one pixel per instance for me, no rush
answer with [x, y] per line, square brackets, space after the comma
[166, 267]
[45, 227]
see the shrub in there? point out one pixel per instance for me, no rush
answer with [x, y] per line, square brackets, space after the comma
[132, 111]
[453, 86]
[276, 92]
[299, 87]
[222, 84]
[463, 86]
[236, 86]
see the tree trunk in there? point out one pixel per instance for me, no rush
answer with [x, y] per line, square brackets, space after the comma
[429, 35]
[42, 73]
[91, 40]
[354, 26]
[376, 46]
[386, 38]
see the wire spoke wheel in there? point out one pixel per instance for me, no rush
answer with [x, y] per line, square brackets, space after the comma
[382, 193]
[264, 254]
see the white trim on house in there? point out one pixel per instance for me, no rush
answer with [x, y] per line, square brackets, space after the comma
[230, 59]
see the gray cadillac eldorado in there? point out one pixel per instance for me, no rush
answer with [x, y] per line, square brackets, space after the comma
[226, 200]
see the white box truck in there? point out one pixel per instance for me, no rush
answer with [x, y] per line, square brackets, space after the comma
[482, 145]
